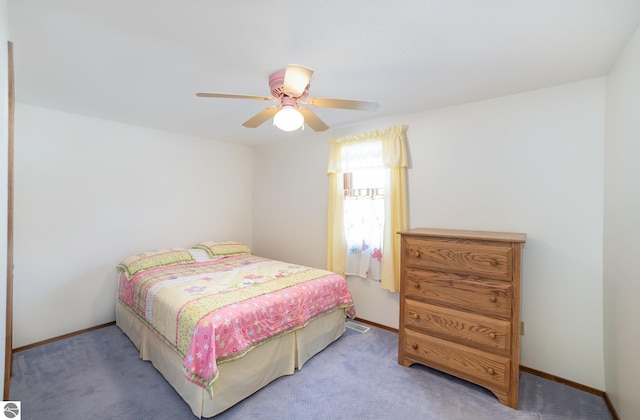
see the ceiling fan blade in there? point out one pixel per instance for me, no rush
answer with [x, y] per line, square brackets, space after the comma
[261, 117]
[296, 80]
[233, 96]
[312, 120]
[342, 104]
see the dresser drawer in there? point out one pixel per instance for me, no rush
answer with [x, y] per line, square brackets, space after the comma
[492, 260]
[465, 362]
[492, 298]
[463, 327]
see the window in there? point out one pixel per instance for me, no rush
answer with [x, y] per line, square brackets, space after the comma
[367, 205]
[364, 183]
[363, 211]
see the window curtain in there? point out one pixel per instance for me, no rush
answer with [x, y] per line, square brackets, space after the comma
[353, 153]
[364, 224]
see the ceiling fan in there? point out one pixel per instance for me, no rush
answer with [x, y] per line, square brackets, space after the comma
[290, 87]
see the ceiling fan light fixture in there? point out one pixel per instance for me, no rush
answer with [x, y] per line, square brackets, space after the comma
[288, 119]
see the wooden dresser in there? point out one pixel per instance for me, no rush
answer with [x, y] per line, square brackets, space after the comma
[460, 306]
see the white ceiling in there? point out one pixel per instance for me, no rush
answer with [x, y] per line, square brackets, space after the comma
[142, 61]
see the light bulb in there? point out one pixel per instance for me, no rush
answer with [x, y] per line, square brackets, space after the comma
[288, 119]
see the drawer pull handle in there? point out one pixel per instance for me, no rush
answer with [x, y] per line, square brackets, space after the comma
[417, 285]
[417, 254]
[490, 371]
[414, 346]
[415, 316]
[493, 299]
[492, 335]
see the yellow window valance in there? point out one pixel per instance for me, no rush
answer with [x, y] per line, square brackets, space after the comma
[379, 148]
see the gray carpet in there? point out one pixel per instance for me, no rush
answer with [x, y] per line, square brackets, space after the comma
[99, 375]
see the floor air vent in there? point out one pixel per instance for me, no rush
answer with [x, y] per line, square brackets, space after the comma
[357, 327]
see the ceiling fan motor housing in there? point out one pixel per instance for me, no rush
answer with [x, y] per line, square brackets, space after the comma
[276, 82]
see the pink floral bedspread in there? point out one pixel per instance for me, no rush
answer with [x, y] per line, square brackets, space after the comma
[217, 310]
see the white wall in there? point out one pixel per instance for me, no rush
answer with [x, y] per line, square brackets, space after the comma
[290, 201]
[4, 37]
[90, 192]
[530, 163]
[621, 232]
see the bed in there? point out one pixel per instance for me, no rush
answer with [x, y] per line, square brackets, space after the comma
[220, 323]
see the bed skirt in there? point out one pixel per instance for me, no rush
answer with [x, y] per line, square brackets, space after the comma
[242, 377]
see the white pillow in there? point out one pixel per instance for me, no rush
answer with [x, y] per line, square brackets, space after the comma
[198, 254]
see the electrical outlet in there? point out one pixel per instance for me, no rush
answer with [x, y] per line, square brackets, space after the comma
[521, 327]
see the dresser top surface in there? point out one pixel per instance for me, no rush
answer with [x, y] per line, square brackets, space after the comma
[466, 234]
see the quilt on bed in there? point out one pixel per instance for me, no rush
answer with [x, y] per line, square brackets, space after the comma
[217, 310]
